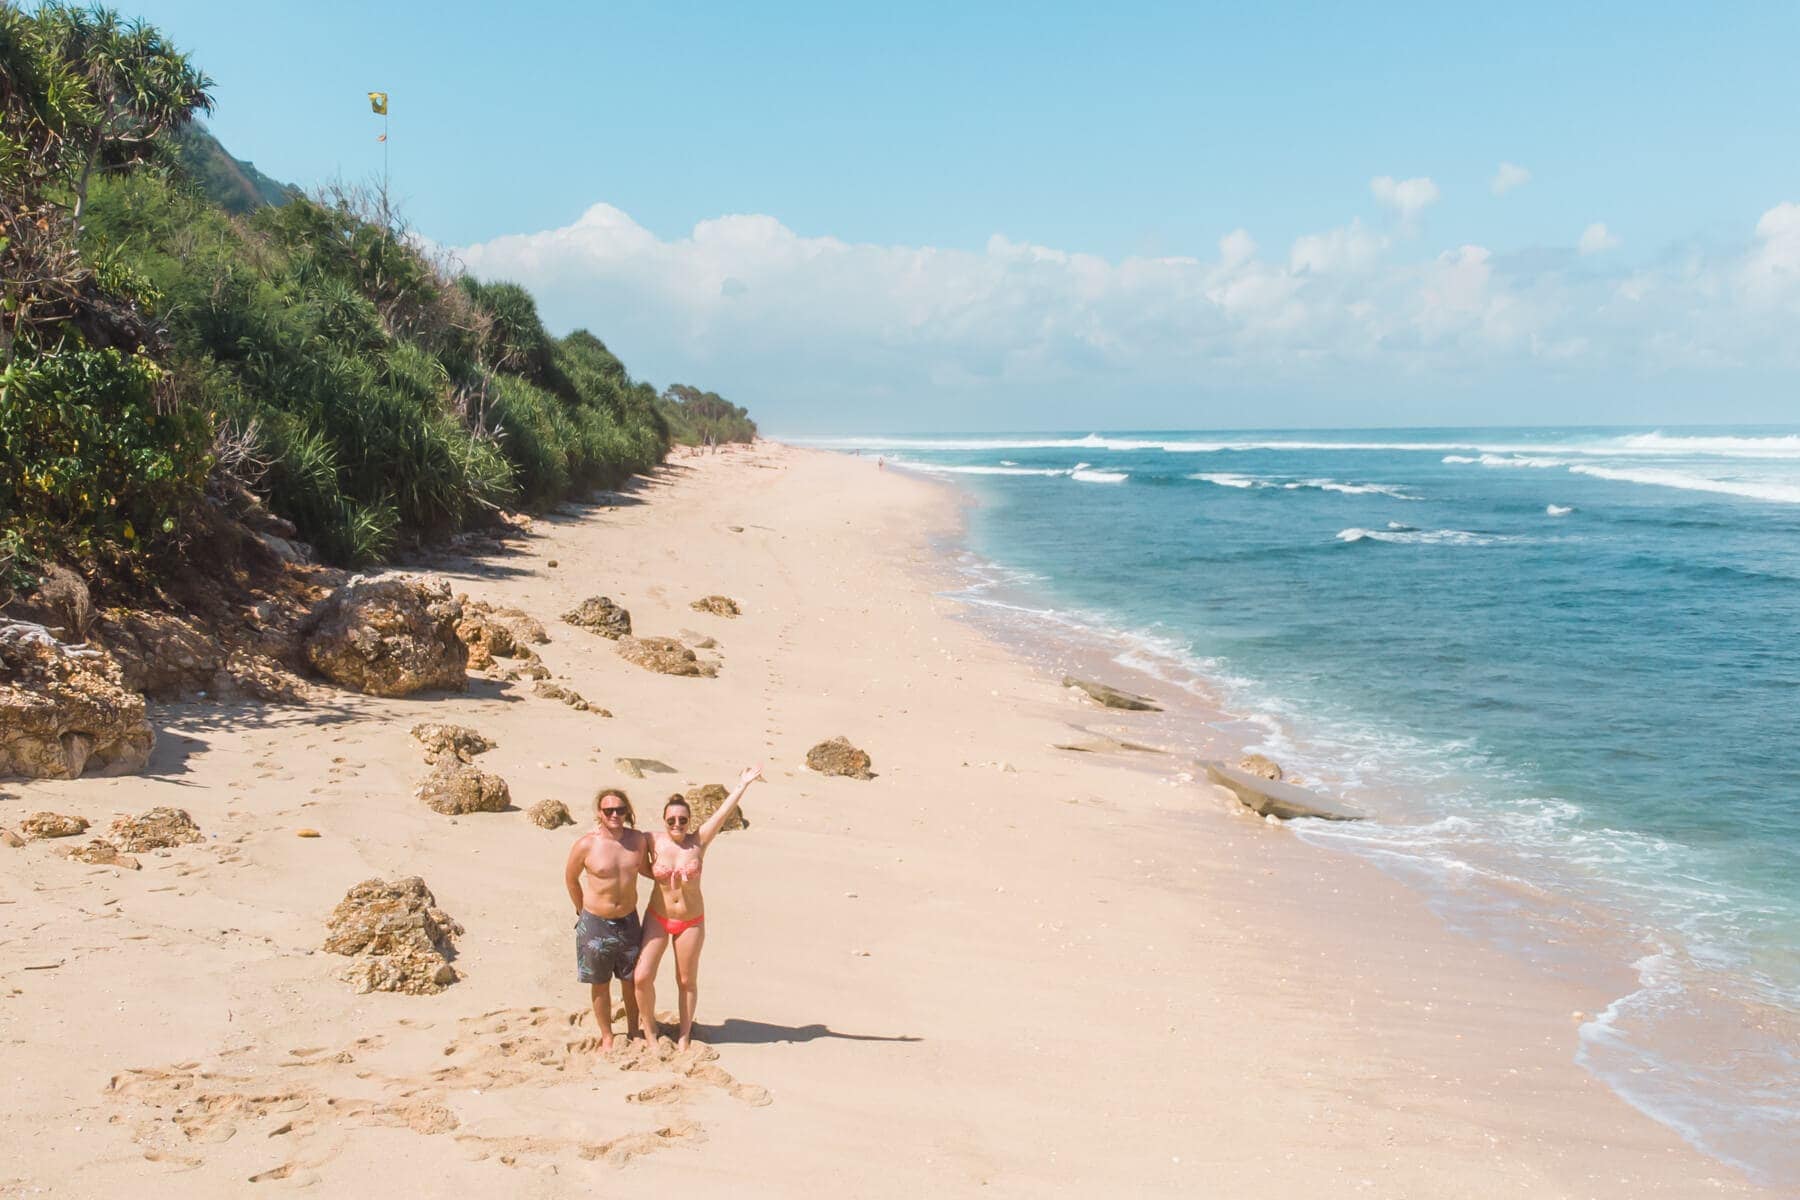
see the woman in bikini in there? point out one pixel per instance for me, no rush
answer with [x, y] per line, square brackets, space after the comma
[676, 908]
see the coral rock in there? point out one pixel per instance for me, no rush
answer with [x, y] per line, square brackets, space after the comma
[665, 656]
[1259, 766]
[64, 709]
[52, 825]
[602, 616]
[719, 606]
[549, 814]
[1112, 697]
[705, 800]
[839, 757]
[569, 696]
[388, 636]
[491, 632]
[442, 740]
[454, 787]
[158, 829]
[102, 853]
[401, 940]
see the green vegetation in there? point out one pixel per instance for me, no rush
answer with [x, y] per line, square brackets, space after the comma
[172, 321]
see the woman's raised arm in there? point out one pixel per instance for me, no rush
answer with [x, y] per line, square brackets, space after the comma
[716, 822]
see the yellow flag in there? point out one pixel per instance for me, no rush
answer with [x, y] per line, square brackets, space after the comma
[378, 102]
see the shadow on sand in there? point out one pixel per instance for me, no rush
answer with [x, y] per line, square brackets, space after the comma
[736, 1031]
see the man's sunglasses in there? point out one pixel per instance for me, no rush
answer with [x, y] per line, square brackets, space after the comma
[612, 812]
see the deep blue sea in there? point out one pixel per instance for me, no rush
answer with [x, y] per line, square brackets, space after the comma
[1559, 667]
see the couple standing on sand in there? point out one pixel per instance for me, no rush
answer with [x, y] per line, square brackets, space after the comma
[602, 874]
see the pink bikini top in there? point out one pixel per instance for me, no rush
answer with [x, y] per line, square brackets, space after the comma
[683, 866]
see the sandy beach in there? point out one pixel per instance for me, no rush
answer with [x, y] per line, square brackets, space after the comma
[996, 968]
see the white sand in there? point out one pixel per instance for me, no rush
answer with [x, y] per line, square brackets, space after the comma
[1070, 977]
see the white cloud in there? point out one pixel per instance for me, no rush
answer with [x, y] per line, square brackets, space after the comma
[1508, 177]
[1408, 197]
[1596, 238]
[804, 327]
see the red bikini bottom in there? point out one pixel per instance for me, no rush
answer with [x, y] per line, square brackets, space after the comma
[674, 927]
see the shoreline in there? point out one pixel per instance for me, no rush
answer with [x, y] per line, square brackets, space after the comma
[994, 967]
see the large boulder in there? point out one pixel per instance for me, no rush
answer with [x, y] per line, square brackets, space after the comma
[52, 825]
[491, 632]
[159, 829]
[454, 788]
[444, 740]
[602, 616]
[388, 636]
[64, 709]
[401, 940]
[718, 606]
[666, 656]
[1112, 697]
[705, 800]
[839, 757]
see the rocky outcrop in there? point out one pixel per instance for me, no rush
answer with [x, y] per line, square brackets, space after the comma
[839, 757]
[388, 636]
[718, 606]
[64, 709]
[158, 829]
[455, 787]
[490, 632]
[1260, 766]
[600, 615]
[666, 656]
[444, 740]
[569, 696]
[550, 814]
[52, 825]
[637, 768]
[101, 853]
[1112, 697]
[705, 800]
[1269, 798]
[401, 940]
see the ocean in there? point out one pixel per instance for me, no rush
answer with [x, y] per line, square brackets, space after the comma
[1559, 668]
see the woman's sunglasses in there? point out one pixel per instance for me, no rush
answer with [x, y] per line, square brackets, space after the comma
[675, 820]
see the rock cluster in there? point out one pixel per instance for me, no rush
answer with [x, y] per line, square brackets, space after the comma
[388, 636]
[444, 740]
[719, 606]
[64, 709]
[839, 757]
[550, 814]
[102, 853]
[705, 800]
[602, 616]
[569, 696]
[455, 787]
[665, 656]
[490, 632]
[1112, 697]
[401, 940]
[52, 825]
[158, 829]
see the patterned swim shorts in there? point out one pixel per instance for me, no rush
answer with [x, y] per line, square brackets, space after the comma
[606, 946]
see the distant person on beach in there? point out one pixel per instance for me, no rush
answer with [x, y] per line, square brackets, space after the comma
[676, 906]
[602, 873]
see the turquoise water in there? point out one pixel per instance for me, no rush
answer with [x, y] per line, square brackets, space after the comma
[1560, 668]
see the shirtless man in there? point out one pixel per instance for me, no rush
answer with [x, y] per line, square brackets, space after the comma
[602, 874]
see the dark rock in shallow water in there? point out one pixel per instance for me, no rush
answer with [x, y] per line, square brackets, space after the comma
[1270, 798]
[1112, 697]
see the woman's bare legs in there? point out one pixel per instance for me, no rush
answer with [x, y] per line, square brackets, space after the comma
[643, 980]
[687, 977]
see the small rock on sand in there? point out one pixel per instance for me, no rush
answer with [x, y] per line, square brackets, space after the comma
[718, 606]
[705, 800]
[839, 757]
[569, 696]
[441, 739]
[159, 829]
[102, 853]
[1260, 766]
[306, 833]
[638, 767]
[52, 825]
[455, 787]
[1112, 697]
[602, 616]
[550, 814]
[666, 656]
[401, 939]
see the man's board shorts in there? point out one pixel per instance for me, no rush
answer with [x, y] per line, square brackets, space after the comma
[606, 946]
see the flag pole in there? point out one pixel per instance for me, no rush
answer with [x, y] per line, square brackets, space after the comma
[385, 219]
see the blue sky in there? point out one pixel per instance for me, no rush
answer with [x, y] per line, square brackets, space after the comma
[896, 161]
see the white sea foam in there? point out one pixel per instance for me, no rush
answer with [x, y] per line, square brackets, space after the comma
[1558, 510]
[1352, 489]
[1780, 493]
[1786, 446]
[1420, 537]
[1082, 473]
[1231, 481]
[942, 469]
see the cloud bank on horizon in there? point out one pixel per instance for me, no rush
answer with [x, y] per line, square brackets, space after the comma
[1352, 325]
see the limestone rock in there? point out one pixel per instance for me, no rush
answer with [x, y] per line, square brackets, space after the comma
[705, 800]
[102, 853]
[549, 814]
[454, 787]
[159, 829]
[64, 709]
[388, 636]
[570, 697]
[665, 656]
[718, 606]
[533, 669]
[10, 838]
[839, 757]
[602, 616]
[444, 740]
[401, 940]
[637, 767]
[1112, 697]
[491, 632]
[1260, 766]
[1272, 799]
[52, 825]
